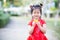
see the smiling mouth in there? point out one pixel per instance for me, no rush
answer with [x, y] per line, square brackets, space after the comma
[36, 16]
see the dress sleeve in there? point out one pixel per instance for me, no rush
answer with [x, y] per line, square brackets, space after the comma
[43, 22]
[30, 23]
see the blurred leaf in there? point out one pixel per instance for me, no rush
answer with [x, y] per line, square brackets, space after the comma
[53, 8]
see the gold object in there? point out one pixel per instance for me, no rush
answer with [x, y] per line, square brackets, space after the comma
[36, 20]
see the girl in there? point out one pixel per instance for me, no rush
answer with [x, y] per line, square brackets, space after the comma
[37, 25]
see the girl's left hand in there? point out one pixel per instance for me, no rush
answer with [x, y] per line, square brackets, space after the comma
[38, 23]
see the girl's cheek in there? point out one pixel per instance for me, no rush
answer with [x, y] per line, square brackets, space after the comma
[39, 14]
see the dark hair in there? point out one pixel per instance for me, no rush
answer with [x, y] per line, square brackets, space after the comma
[36, 7]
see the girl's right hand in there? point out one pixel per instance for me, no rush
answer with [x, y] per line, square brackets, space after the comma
[32, 28]
[33, 24]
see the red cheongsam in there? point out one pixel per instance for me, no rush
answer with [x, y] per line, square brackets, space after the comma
[37, 33]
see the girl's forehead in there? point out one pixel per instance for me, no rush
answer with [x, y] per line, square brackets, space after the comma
[36, 10]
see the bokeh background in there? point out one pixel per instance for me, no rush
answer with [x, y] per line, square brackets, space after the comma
[15, 14]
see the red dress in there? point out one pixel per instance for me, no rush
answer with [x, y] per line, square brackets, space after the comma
[37, 34]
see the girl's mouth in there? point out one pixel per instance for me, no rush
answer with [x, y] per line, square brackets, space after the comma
[36, 16]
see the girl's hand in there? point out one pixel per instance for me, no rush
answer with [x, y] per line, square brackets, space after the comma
[33, 24]
[38, 23]
[32, 28]
[43, 29]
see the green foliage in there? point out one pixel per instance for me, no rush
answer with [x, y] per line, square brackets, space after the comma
[18, 3]
[50, 25]
[56, 3]
[8, 4]
[4, 19]
[14, 14]
[53, 8]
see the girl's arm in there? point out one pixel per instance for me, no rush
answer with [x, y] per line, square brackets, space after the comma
[31, 28]
[43, 29]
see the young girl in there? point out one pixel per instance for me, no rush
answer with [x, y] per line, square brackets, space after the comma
[37, 25]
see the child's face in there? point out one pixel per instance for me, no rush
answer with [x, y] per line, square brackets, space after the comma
[36, 13]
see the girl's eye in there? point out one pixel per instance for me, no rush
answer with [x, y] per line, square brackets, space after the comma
[34, 12]
[37, 12]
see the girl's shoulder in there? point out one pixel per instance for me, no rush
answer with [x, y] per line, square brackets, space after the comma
[30, 22]
[43, 21]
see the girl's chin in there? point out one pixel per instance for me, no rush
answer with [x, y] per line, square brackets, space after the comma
[36, 18]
